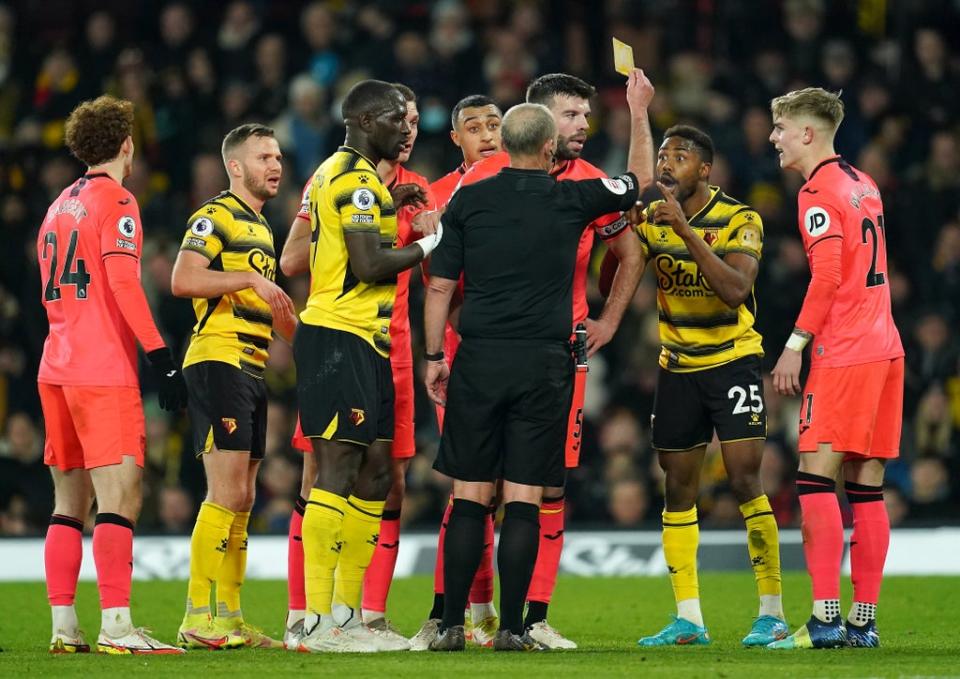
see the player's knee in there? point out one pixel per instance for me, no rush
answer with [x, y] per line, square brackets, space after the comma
[745, 487]
[339, 478]
[130, 505]
[231, 498]
[680, 494]
[379, 482]
[249, 499]
[552, 493]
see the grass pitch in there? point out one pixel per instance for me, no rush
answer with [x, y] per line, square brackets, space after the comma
[918, 622]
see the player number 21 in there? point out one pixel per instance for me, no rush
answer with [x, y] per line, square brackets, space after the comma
[77, 277]
[874, 277]
[739, 393]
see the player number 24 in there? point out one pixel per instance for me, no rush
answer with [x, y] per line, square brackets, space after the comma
[77, 277]
[739, 393]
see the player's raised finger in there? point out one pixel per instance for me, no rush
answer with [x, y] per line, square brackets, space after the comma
[667, 193]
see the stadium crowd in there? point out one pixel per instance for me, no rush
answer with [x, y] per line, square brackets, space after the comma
[194, 70]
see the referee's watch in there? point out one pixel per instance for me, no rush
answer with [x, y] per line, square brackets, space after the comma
[433, 357]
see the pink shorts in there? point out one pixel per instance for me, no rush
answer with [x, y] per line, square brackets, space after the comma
[857, 409]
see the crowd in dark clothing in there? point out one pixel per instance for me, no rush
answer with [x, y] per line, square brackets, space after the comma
[195, 70]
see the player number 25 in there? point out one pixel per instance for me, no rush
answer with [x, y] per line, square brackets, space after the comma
[739, 393]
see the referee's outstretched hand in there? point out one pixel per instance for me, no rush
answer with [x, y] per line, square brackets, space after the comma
[436, 377]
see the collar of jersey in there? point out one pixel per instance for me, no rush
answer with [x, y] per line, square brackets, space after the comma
[350, 149]
[561, 167]
[243, 205]
[520, 170]
[834, 159]
[95, 175]
[694, 221]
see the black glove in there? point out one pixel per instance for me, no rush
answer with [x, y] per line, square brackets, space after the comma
[172, 388]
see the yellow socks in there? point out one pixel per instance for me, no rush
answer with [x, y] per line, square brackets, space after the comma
[322, 523]
[361, 528]
[234, 567]
[208, 545]
[681, 537]
[763, 542]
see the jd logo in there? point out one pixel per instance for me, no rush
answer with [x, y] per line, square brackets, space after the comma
[816, 221]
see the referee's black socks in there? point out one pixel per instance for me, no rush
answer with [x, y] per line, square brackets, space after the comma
[516, 557]
[462, 551]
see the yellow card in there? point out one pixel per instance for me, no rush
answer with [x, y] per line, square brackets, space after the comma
[622, 57]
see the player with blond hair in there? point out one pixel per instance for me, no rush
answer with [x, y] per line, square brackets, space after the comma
[852, 402]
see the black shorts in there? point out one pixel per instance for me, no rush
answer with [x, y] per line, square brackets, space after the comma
[228, 408]
[689, 406]
[506, 415]
[344, 387]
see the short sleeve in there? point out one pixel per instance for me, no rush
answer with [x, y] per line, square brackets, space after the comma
[642, 232]
[598, 197]
[446, 261]
[207, 232]
[121, 232]
[819, 218]
[746, 234]
[357, 199]
[610, 226]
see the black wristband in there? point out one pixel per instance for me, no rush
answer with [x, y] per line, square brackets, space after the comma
[433, 357]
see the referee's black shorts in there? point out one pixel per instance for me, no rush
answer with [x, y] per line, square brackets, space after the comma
[344, 387]
[507, 408]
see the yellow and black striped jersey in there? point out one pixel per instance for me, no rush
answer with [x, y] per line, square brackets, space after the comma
[235, 328]
[697, 329]
[347, 196]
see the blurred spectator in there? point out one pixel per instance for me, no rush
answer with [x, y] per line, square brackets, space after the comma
[235, 39]
[303, 130]
[270, 95]
[930, 490]
[319, 26]
[176, 36]
[26, 492]
[629, 503]
[176, 510]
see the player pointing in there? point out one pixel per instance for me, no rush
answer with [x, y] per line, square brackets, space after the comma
[705, 248]
[852, 404]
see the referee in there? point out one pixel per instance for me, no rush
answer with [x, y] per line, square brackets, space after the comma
[514, 239]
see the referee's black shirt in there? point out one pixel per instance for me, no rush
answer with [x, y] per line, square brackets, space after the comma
[514, 237]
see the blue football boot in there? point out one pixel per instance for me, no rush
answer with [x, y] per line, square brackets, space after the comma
[680, 632]
[815, 634]
[765, 630]
[865, 636]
